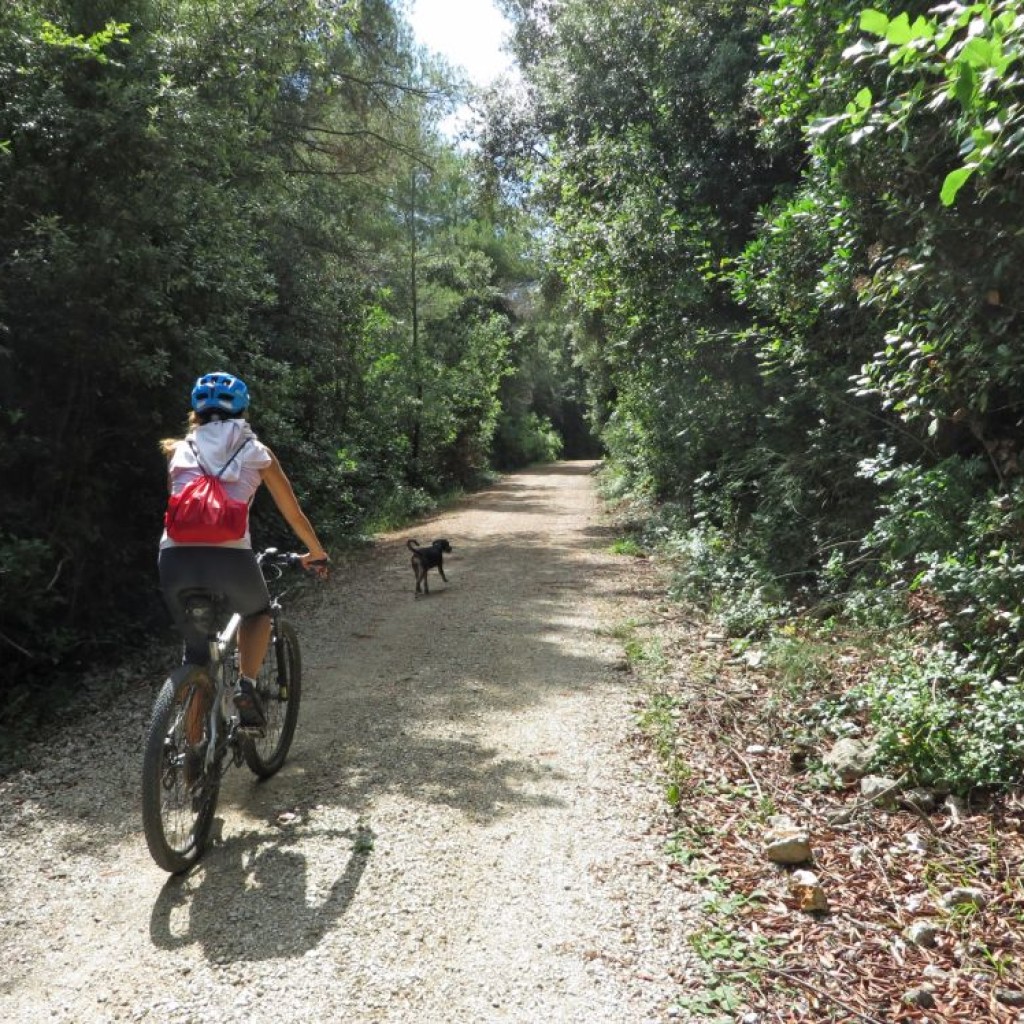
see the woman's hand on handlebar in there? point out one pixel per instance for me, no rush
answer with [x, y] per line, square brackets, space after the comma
[319, 567]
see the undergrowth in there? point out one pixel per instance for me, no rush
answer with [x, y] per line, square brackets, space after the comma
[865, 657]
[738, 725]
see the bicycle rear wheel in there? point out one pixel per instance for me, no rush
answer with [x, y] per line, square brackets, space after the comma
[279, 685]
[179, 794]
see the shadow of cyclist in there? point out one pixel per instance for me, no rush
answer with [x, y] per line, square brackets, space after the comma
[251, 898]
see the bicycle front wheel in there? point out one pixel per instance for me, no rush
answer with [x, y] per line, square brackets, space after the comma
[179, 794]
[279, 685]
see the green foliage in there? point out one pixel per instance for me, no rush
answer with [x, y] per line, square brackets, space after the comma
[718, 575]
[960, 57]
[658, 722]
[925, 508]
[944, 722]
[952, 536]
[627, 546]
[92, 48]
[652, 176]
[524, 440]
[29, 602]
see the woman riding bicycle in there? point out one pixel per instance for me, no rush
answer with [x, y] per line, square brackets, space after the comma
[221, 443]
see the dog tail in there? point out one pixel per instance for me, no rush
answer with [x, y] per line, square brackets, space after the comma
[412, 545]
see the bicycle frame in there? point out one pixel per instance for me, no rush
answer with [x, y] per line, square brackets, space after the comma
[220, 646]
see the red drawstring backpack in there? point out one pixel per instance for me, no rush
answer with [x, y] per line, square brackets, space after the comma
[203, 513]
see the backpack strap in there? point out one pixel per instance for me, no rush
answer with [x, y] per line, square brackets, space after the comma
[195, 452]
[234, 455]
[220, 472]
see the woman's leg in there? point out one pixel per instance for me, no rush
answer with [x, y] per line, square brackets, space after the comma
[253, 640]
[247, 594]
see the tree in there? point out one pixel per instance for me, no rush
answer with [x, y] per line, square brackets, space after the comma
[168, 204]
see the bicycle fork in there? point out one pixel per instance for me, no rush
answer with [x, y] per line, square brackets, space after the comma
[280, 659]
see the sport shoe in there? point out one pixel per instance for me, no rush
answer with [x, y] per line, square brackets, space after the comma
[250, 709]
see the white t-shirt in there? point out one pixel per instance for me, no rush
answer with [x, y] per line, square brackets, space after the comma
[216, 442]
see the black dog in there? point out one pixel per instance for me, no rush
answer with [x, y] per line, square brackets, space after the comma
[427, 558]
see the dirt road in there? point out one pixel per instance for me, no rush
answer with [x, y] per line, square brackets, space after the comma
[463, 831]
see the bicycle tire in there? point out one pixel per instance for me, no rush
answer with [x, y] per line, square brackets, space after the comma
[279, 685]
[179, 792]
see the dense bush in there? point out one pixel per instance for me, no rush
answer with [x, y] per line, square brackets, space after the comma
[945, 723]
[525, 439]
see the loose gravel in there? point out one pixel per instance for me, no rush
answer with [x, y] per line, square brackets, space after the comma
[466, 828]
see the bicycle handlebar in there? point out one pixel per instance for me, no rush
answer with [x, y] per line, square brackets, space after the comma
[281, 560]
[271, 556]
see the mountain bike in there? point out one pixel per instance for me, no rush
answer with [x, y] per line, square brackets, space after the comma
[194, 734]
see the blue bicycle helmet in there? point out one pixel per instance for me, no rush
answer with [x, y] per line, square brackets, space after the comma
[221, 391]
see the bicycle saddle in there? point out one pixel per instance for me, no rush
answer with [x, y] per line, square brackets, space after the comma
[204, 608]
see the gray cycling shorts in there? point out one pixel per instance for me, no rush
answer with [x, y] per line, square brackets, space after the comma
[232, 572]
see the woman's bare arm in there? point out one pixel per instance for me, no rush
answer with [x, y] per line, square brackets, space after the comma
[281, 491]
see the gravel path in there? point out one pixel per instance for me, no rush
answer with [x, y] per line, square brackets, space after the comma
[464, 830]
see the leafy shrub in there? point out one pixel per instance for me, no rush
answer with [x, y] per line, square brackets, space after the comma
[30, 603]
[716, 574]
[947, 531]
[924, 508]
[943, 721]
[397, 505]
[627, 546]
